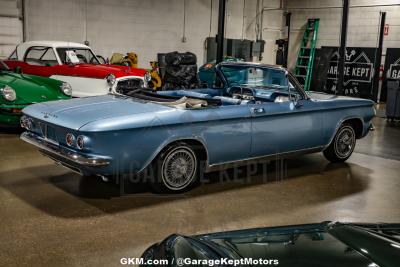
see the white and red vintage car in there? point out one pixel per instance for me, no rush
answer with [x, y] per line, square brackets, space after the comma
[77, 65]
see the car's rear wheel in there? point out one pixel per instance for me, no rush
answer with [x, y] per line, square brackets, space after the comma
[175, 169]
[342, 145]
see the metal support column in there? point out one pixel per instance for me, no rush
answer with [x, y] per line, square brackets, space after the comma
[288, 17]
[342, 48]
[378, 58]
[221, 31]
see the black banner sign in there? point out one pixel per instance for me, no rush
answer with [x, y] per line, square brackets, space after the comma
[359, 71]
[391, 70]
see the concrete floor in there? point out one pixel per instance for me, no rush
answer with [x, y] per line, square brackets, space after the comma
[51, 216]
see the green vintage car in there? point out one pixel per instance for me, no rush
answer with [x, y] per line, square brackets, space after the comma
[19, 90]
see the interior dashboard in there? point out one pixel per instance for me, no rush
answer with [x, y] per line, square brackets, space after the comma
[262, 95]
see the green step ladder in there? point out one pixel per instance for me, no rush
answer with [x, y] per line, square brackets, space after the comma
[305, 60]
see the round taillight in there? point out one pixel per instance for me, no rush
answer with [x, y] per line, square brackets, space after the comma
[70, 139]
[80, 142]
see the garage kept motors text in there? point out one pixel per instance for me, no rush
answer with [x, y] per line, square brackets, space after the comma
[199, 262]
[358, 71]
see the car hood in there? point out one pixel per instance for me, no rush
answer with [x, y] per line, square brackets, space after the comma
[75, 113]
[29, 90]
[99, 71]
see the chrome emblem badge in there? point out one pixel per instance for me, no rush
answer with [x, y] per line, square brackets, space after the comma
[48, 115]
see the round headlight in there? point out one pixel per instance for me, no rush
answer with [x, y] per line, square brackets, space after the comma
[9, 93]
[80, 142]
[22, 122]
[147, 77]
[70, 139]
[26, 123]
[66, 89]
[111, 79]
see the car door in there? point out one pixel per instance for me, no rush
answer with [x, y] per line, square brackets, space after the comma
[287, 126]
[226, 131]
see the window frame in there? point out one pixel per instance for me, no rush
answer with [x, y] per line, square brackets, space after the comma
[77, 48]
[291, 79]
[45, 48]
[12, 57]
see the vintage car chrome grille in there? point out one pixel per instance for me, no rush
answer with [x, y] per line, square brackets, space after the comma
[48, 132]
[126, 86]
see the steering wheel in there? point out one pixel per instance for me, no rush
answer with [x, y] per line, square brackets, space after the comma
[81, 58]
[239, 92]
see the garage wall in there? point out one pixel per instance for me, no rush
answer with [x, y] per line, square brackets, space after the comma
[146, 27]
[363, 23]
[10, 26]
[151, 26]
[273, 28]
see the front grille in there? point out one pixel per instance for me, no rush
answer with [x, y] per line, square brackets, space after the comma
[48, 132]
[126, 86]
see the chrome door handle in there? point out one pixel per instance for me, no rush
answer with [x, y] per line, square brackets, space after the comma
[257, 110]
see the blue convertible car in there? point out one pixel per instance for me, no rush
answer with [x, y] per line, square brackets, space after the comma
[253, 112]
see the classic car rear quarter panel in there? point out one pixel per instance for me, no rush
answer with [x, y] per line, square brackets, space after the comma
[337, 111]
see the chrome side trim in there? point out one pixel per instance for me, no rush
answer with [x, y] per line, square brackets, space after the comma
[230, 164]
[52, 149]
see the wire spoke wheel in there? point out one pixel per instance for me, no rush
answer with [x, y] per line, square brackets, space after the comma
[345, 142]
[179, 168]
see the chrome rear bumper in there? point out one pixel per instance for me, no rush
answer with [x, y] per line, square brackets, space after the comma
[52, 149]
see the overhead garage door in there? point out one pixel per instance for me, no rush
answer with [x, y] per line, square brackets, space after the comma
[10, 26]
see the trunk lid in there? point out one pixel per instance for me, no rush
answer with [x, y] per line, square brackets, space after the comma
[325, 96]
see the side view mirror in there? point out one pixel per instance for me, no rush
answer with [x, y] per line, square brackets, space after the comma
[18, 70]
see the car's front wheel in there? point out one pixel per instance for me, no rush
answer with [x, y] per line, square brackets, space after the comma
[175, 169]
[342, 145]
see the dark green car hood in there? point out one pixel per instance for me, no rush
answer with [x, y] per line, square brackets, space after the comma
[31, 89]
[318, 245]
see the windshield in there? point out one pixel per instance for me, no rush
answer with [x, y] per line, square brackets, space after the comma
[3, 65]
[391, 231]
[253, 76]
[73, 55]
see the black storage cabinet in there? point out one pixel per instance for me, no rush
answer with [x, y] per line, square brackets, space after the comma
[393, 99]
